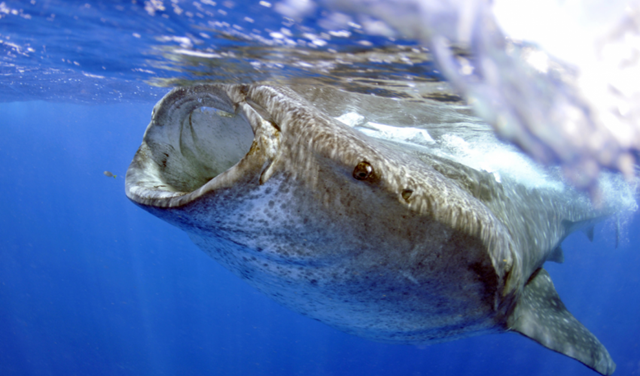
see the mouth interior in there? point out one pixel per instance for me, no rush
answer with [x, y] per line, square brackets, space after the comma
[209, 142]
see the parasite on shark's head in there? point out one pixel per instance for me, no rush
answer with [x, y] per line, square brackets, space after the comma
[358, 227]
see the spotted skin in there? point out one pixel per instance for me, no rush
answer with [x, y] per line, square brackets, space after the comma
[541, 315]
[368, 236]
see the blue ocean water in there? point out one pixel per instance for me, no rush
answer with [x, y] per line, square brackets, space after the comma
[90, 284]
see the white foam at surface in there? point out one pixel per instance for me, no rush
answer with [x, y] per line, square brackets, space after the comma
[410, 135]
[351, 119]
[500, 160]
[407, 135]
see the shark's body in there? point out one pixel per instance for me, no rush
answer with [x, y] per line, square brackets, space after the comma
[375, 238]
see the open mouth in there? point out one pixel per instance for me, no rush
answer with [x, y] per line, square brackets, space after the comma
[209, 142]
[196, 134]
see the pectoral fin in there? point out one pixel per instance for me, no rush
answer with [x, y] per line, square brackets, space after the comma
[541, 316]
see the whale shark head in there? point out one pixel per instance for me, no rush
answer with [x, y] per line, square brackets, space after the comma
[377, 236]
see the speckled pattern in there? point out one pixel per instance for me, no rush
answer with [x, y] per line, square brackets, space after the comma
[417, 249]
[541, 315]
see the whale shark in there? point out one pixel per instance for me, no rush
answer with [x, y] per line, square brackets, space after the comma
[340, 207]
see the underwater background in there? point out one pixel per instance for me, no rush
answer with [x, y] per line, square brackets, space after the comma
[90, 284]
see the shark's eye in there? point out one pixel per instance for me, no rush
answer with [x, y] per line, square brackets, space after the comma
[362, 171]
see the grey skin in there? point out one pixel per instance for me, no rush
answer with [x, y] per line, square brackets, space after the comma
[369, 236]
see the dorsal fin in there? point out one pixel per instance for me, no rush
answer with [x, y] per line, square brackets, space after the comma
[589, 232]
[556, 255]
[541, 316]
